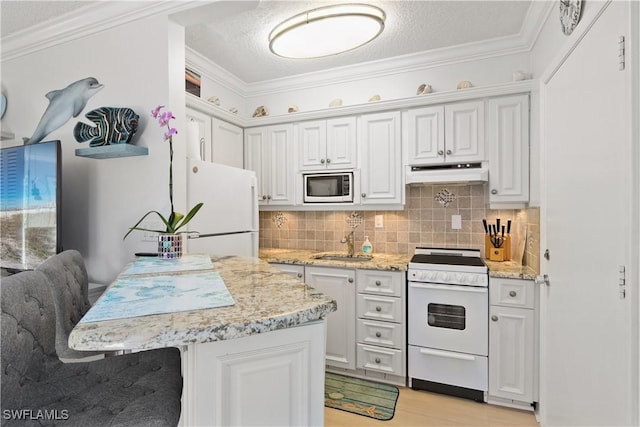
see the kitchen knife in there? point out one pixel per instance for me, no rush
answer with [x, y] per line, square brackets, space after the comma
[503, 231]
[484, 223]
[509, 227]
[497, 225]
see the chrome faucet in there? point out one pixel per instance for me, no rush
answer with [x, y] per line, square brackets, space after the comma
[348, 239]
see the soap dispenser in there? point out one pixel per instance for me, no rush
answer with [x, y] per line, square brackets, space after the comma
[367, 248]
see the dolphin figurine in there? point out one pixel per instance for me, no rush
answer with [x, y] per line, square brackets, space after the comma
[64, 104]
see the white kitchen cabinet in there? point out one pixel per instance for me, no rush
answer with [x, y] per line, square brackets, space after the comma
[512, 342]
[270, 153]
[450, 133]
[379, 142]
[275, 379]
[327, 144]
[214, 140]
[294, 270]
[381, 326]
[508, 145]
[339, 284]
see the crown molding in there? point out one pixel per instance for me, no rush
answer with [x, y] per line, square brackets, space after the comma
[83, 22]
[212, 71]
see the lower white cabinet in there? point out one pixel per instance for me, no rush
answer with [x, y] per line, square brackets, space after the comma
[294, 270]
[275, 378]
[381, 330]
[339, 284]
[513, 343]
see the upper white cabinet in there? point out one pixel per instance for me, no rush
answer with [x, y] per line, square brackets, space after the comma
[379, 137]
[451, 133]
[508, 145]
[269, 151]
[327, 144]
[214, 140]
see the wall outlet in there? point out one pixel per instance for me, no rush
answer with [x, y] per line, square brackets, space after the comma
[456, 222]
[379, 221]
[150, 236]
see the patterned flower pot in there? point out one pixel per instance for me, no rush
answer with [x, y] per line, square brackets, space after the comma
[169, 246]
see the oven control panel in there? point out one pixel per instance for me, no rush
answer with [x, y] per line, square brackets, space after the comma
[448, 277]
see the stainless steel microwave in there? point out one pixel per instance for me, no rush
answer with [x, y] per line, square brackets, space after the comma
[333, 187]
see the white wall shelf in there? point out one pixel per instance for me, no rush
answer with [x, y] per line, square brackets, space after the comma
[112, 151]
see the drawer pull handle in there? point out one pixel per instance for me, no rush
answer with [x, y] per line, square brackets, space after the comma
[447, 354]
[378, 334]
[512, 293]
[378, 283]
[350, 280]
[378, 308]
[377, 360]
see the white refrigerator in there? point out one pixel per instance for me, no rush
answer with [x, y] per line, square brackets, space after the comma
[227, 223]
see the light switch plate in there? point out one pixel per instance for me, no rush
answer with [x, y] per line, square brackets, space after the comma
[379, 221]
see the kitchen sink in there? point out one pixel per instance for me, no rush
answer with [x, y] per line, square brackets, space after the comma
[342, 257]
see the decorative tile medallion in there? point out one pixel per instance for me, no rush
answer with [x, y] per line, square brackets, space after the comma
[445, 197]
[279, 219]
[354, 220]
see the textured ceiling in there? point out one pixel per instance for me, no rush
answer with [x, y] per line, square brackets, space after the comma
[237, 41]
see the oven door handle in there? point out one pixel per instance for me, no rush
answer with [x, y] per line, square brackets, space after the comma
[474, 289]
[447, 354]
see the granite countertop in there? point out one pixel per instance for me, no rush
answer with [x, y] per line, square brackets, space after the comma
[505, 269]
[393, 262]
[510, 270]
[265, 300]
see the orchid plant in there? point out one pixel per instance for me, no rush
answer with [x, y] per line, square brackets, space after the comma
[176, 220]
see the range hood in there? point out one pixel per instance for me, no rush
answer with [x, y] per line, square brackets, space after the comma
[454, 173]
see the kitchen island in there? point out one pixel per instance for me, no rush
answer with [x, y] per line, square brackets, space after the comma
[258, 361]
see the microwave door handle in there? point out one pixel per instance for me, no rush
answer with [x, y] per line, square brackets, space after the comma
[472, 289]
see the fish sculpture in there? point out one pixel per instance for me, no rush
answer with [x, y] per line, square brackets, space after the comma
[112, 126]
[64, 104]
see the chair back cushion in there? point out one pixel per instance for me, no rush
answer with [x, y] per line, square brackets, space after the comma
[28, 333]
[68, 275]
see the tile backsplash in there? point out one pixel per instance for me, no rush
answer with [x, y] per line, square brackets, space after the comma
[425, 221]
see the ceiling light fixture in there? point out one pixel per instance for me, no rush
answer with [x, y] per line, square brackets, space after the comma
[326, 31]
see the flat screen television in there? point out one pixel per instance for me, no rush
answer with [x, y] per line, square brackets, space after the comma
[30, 204]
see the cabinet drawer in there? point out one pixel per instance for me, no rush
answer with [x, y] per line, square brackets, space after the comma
[511, 292]
[387, 283]
[380, 359]
[380, 333]
[379, 308]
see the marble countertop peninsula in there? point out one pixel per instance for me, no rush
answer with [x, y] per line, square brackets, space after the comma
[265, 300]
[305, 257]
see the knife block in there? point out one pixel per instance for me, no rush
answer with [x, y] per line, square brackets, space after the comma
[502, 253]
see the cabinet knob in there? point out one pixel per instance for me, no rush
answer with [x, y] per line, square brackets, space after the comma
[363, 195]
[378, 334]
[440, 152]
[377, 360]
[300, 275]
[264, 197]
[322, 161]
[350, 280]
[378, 283]
[269, 197]
[494, 191]
[328, 161]
[512, 293]
[494, 318]
[378, 308]
[449, 152]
